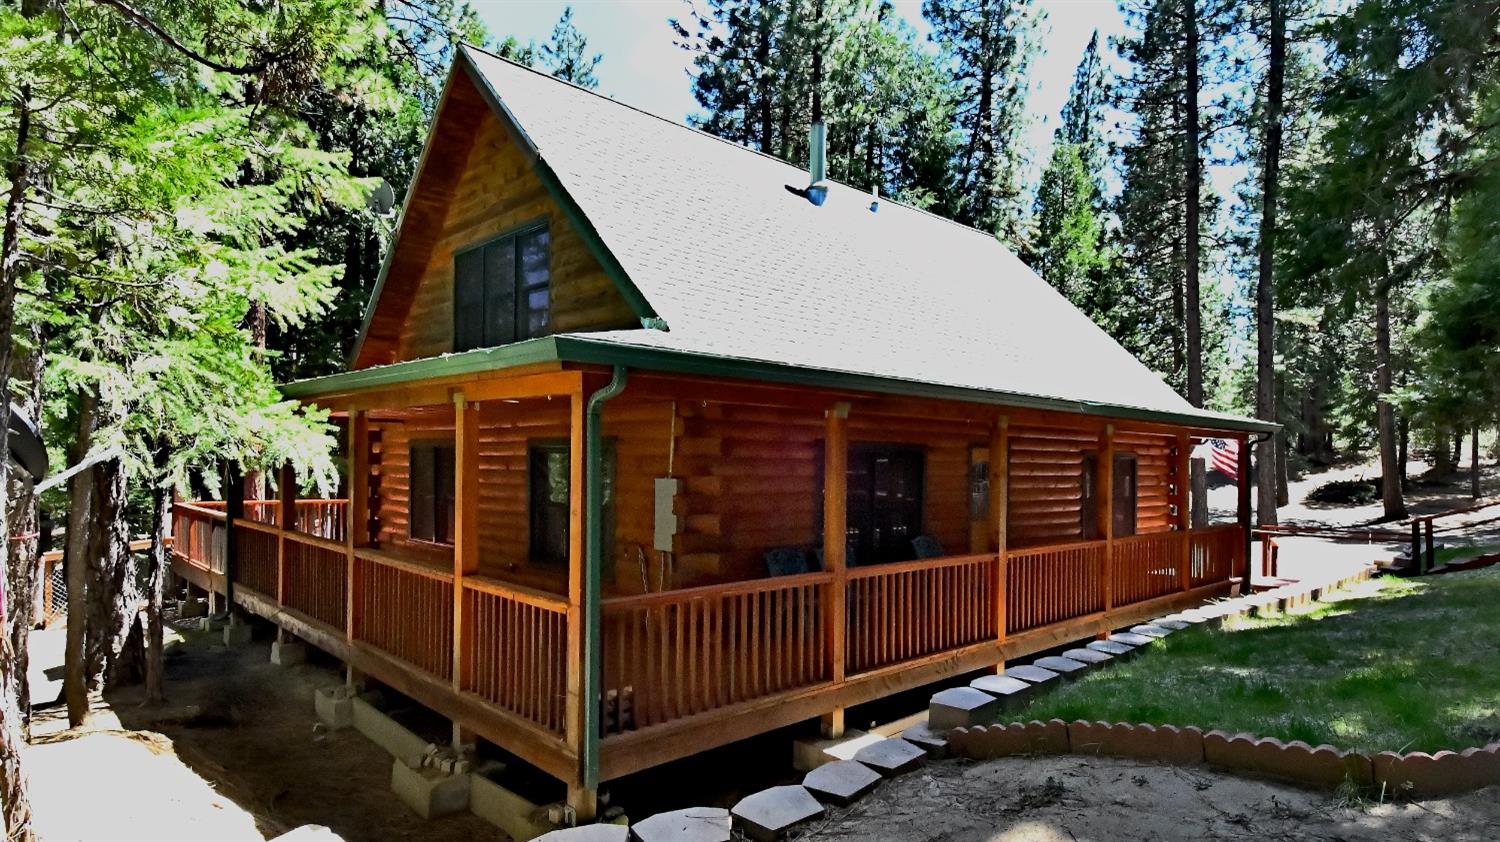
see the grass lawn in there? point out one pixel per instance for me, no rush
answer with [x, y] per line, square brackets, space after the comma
[1447, 554]
[1392, 664]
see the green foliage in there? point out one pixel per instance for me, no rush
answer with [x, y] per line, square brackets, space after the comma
[567, 56]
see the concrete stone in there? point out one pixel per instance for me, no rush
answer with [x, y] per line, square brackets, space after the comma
[588, 833]
[1152, 631]
[1092, 657]
[334, 706]
[892, 757]
[386, 732]
[770, 814]
[958, 707]
[1131, 638]
[308, 833]
[211, 623]
[841, 783]
[429, 792]
[1012, 692]
[1031, 674]
[930, 741]
[237, 633]
[810, 754]
[695, 824]
[1112, 648]
[1171, 623]
[1065, 667]
[189, 608]
[518, 817]
[287, 653]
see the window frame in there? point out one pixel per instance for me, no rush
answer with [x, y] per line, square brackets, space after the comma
[520, 315]
[443, 495]
[611, 489]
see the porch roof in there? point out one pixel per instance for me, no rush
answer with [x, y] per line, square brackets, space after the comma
[610, 349]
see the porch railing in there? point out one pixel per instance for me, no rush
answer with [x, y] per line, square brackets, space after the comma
[405, 609]
[674, 654]
[1046, 585]
[1216, 553]
[1147, 566]
[901, 612]
[317, 579]
[515, 639]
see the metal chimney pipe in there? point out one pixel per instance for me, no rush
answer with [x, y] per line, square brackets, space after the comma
[817, 162]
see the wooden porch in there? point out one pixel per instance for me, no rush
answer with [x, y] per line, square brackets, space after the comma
[497, 644]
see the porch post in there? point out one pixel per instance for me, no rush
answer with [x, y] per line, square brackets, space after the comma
[583, 799]
[835, 545]
[999, 519]
[286, 483]
[465, 536]
[1184, 503]
[234, 509]
[1105, 493]
[357, 528]
[1244, 510]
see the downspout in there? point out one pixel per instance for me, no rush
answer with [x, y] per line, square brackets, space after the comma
[593, 553]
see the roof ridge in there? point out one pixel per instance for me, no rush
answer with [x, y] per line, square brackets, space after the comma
[726, 141]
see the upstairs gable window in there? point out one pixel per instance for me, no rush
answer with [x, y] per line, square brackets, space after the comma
[502, 290]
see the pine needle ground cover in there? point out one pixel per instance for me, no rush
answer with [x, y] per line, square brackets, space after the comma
[1391, 664]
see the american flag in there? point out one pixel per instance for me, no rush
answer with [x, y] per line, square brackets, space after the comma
[1223, 455]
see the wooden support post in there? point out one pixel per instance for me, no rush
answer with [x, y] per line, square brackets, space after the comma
[357, 528]
[1184, 504]
[287, 522]
[234, 509]
[465, 532]
[1244, 512]
[835, 550]
[1105, 494]
[583, 800]
[1000, 520]
[1431, 555]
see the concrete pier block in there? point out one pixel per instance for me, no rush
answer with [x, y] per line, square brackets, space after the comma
[193, 607]
[695, 824]
[588, 833]
[891, 757]
[237, 633]
[212, 623]
[1150, 630]
[1012, 692]
[1113, 648]
[930, 741]
[334, 706]
[1032, 674]
[841, 783]
[427, 791]
[1065, 667]
[288, 653]
[810, 754]
[519, 817]
[1092, 657]
[396, 739]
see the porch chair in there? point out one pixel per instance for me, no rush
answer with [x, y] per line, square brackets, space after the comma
[787, 561]
[926, 546]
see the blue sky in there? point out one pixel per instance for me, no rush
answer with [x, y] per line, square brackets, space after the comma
[643, 68]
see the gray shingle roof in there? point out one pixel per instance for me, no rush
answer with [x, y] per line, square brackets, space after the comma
[741, 268]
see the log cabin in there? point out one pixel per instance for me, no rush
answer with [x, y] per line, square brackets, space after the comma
[655, 443]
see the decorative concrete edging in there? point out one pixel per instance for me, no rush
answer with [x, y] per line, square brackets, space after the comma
[1416, 773]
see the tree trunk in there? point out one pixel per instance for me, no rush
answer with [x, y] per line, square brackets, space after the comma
[24, 519]
[1269, 451]
[1193, 188]
[116, 654]
[161, 523]
[763, 82]
[1391, 470]
[80, 512]
[1474, 462]
[1443, 461]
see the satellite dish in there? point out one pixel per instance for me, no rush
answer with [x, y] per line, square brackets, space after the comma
[26, 444]
[382, 198]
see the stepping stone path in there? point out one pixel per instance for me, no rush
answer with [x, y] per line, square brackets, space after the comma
[842, 782]
[588, 833]
[1093, 657]
[1171, 623]
[960, 707]
[695, 824]
[891, 757]
[1112, 648]
[922, 736]
[1012, 692]
[768, 815]
[1131, 638]
[1151, 631]
[1065, 667]
[1031, 674]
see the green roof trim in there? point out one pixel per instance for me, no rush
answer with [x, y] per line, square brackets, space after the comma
[578, 349]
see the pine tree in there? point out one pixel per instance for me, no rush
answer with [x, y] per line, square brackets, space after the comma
[1070, 246]
[989, 45]
[567, 55]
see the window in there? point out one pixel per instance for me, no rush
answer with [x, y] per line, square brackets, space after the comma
[432, 491]
[501, 291]
[1124, 496]
[885, 501]
[550, 473]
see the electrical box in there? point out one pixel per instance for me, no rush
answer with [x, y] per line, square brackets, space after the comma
[665, 507]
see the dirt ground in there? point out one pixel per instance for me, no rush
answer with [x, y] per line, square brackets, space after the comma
[1059, 799]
